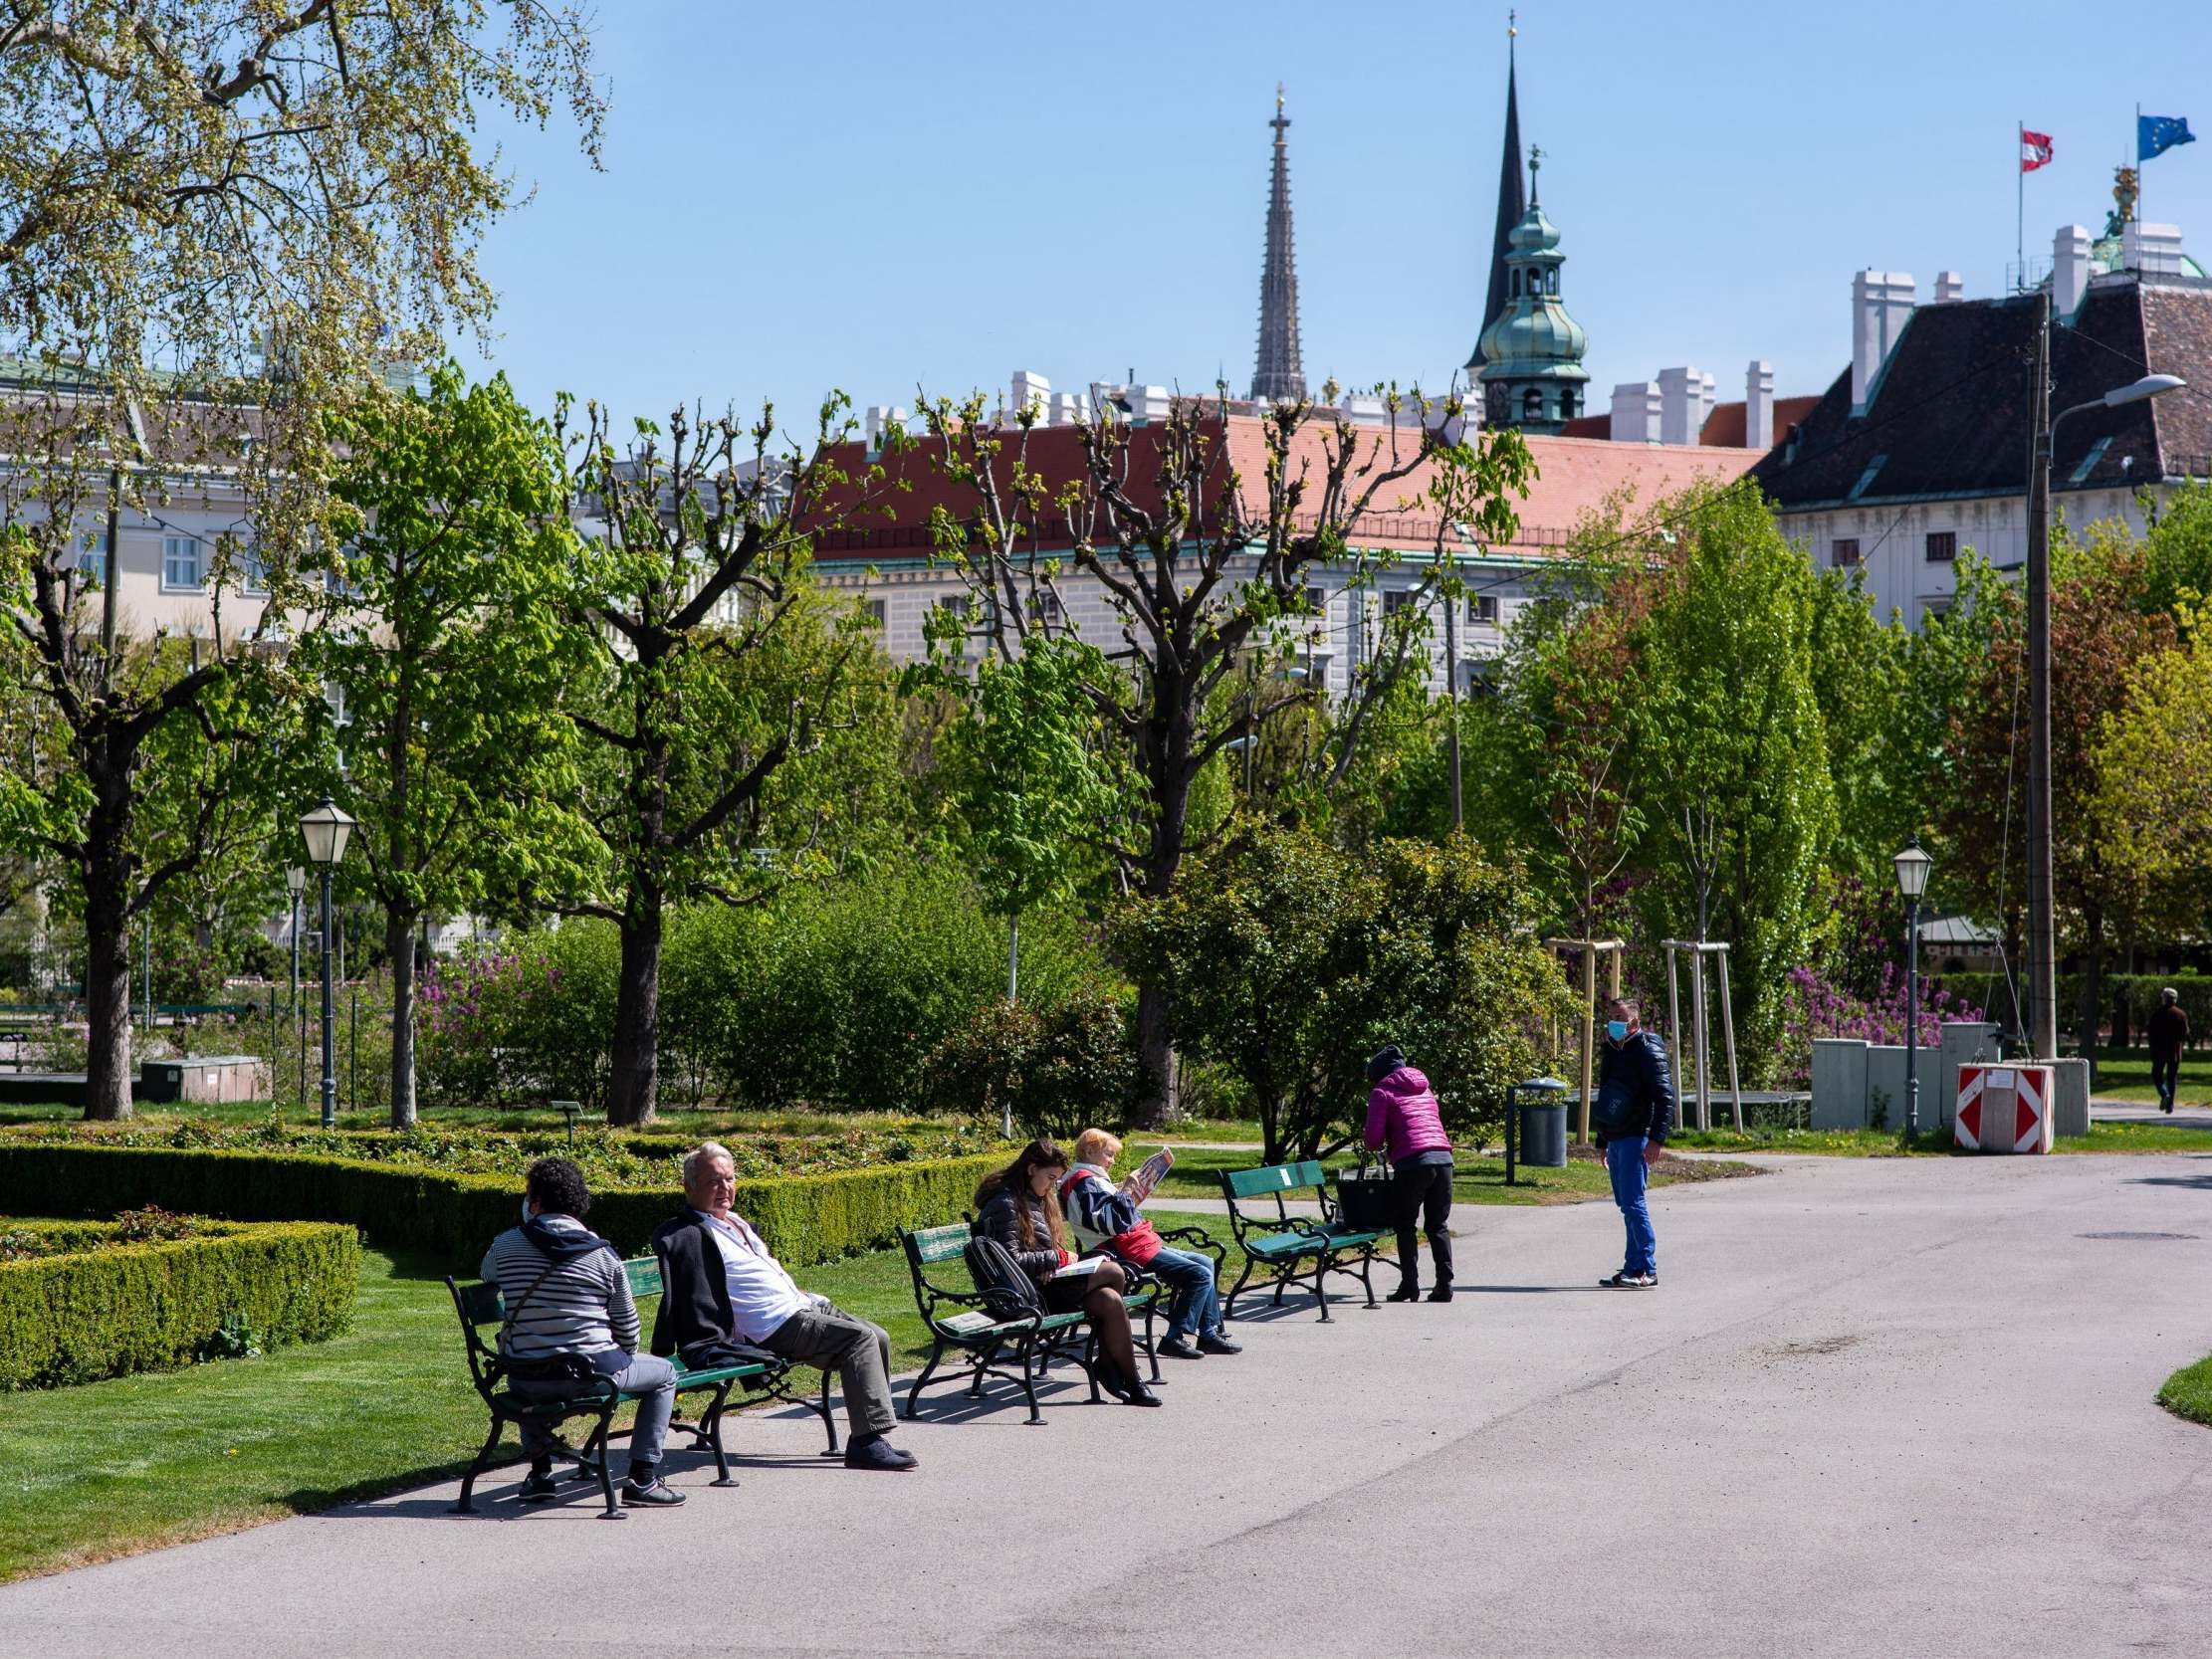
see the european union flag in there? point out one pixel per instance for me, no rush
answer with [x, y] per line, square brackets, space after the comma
[2155, 134]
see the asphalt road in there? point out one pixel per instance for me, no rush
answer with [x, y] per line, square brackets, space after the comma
[1877, 1407]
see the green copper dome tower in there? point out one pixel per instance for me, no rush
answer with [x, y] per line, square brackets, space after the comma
[1530, 357]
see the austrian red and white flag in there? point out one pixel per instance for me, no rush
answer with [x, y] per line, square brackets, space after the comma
[2034, 151]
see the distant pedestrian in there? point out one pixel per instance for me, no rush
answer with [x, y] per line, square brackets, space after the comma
[1402, 1115]
[1630, 1120]
[2164, 1033]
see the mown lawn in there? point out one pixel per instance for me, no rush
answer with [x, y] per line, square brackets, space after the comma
[109, 1468]
[2188, 1392]
[2123, 1074]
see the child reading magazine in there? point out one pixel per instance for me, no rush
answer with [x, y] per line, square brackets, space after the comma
[1104, 1216]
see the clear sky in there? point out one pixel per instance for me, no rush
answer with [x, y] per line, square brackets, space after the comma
[868, 196]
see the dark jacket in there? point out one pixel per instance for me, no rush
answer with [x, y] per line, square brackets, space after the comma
[1000, 1220]
[2166, 1030]
[694, 1297]
[1635, 1091]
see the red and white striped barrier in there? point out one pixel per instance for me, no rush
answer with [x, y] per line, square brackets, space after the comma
[2003, 1108]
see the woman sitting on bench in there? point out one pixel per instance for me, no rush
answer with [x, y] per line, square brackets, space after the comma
[1018, 1207]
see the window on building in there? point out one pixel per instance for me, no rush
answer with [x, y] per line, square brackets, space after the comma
[1568, 408]
[1532, 405]
[1842, 552]
[1483, 610]
[1397, 599]
[183, 563]
[1317, 601]
[1942, 547]
[92, 560]
[877, 611]
[1045, 609]
[254, 571]
[1551, 281]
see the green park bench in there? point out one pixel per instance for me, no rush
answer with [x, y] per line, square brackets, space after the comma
[481, 1305]
[973, 1331]
[1276, 1248]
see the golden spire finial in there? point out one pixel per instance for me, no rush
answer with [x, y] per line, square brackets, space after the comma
[1512, 25]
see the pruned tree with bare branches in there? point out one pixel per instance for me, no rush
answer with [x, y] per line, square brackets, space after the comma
[1201, 563]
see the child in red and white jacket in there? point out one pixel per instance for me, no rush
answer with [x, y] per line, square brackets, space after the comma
[1104, 1217]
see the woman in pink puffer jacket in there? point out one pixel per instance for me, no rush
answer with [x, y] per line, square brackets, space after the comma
[1401, 1117]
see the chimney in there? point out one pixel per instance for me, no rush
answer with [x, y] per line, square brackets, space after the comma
[1682, 394]
[1636, 413]
[1758, 405]
[2152, 250]
[1881, 305]
[1066, 408]
[2070, 270]
[1951, 288]
[878, 419]
[1031, 392]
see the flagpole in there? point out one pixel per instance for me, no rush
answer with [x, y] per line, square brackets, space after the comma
[2020, 209]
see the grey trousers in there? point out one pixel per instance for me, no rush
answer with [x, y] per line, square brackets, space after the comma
[859, 1352]
[653, 1377]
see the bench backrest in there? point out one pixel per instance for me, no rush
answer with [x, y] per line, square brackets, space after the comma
[644, 1273]
[479, 1303]
[1273, 1179]
[927, 1246]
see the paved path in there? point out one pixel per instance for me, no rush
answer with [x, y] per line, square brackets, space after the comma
[1880, 1408]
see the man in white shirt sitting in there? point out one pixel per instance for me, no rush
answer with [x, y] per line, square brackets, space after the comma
[721, 1284]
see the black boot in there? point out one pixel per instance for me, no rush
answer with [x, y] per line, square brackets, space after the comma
[1409, 1286]
[1440, 1251]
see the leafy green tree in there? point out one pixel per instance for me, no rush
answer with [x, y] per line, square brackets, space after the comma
[1734, 772]
[2152, 803]
[1290, 960]
[2177, 571]
[275, 203]
[454, 643]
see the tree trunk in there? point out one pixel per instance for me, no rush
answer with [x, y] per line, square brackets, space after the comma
[2093, 987]
[107, 989]
[1155, 1091]
[634, 1090]
[399, 945]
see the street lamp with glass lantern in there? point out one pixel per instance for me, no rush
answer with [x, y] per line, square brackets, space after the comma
[1913, 881]
[326, 830]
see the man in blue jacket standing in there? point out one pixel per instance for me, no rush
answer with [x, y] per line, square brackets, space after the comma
[1629, 1119]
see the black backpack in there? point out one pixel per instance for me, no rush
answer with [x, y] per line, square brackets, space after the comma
[1008, 1291]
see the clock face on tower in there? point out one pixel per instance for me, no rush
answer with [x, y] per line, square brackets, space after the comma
[1497, 407]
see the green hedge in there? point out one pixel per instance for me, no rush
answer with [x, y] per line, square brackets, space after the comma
[805, 1219]
[123, 1307]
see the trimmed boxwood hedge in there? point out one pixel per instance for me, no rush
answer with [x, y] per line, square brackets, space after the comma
[805, 1219]
[115, 1309]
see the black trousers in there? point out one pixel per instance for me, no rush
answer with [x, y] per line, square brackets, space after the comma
[2165, 1075]
[1422, 1192]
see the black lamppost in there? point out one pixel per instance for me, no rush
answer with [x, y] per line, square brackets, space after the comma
[2042, 955]
[326, 830]
[295, 882]
[1913, 881]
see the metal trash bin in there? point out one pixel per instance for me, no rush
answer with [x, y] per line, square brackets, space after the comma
[1539, 1124]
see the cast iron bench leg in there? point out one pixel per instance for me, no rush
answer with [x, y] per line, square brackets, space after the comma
[1029, 1381]
[711, 1425]
[467, 1505]
[830, 1423]
[914, 1394]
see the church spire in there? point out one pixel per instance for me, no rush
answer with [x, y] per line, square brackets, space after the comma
[1511, 204]
[1279, 375]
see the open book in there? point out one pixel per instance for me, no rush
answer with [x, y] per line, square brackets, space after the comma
[1138, 1187]
[1081, 1266]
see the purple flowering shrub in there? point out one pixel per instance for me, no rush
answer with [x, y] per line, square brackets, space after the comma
[1814, 1007]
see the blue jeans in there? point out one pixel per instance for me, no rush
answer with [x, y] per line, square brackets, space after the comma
[1624, 1161]
[1197, 1308]
[651, 1378]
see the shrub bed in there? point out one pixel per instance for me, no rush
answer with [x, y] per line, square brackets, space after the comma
[807, 1218]
[108, 1304]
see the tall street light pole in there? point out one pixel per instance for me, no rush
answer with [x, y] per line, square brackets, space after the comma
[295, 882]
[325, 829]
[1913, 881]
[2042, 955]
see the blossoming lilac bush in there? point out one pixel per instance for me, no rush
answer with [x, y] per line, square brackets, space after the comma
[1814, 1007]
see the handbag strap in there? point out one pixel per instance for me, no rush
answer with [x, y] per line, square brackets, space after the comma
[516, 1311]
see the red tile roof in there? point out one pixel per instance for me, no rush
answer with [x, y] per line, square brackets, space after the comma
[1575, 478]
[1724, 427]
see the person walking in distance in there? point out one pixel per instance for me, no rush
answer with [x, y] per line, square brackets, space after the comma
[2164, 1032]
[1630, 1120]
[1401, 1117]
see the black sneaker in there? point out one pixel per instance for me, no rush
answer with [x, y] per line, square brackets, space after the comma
[1627, 1281]
[541, 1488]
[1175, 1348]
[1214, 1343]
[656, 1494]
[875, 1452]
[1139, 1395]
[1443, 1293]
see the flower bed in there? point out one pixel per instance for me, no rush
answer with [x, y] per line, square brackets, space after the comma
[86, 1300]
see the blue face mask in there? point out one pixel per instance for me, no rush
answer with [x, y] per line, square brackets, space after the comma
[1618, 1030]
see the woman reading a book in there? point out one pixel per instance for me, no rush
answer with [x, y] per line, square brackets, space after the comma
[1105, 1217]
[1018, 1206]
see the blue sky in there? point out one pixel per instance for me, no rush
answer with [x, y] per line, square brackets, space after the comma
[868, 196]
